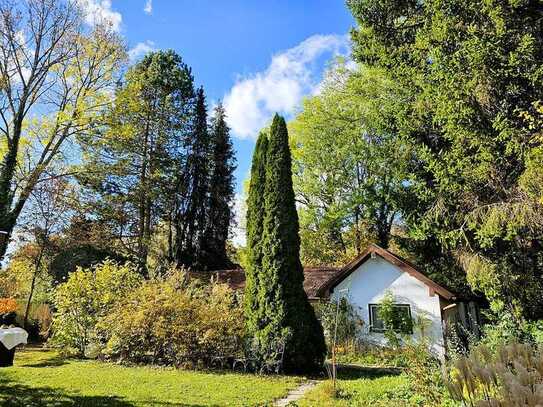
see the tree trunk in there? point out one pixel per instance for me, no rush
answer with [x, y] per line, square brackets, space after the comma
[6, 229]
[9, 164]
[142, 244]
[32, 286]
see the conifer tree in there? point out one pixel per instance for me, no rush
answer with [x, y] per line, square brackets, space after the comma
[255, 220]
[221, 194]
[194, 189]
[283, 310]
[130, 171]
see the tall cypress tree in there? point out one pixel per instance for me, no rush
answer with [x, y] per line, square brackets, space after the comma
[283, 307]
[221, 194]
[255, 222]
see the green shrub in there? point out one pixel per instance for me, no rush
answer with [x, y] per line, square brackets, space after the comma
[173, 322]
[505, 328]
[349, 323]
[84, 298]
[502, 330]
[425, 373]
[397, 324]
[535, 332]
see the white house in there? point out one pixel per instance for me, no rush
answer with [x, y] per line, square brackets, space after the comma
[366, 280]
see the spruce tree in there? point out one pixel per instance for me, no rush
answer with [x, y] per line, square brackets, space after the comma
[284, 309]
[221, 194]
[194, 189]
[255, 221]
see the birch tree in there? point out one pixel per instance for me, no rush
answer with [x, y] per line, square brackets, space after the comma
[56, 77]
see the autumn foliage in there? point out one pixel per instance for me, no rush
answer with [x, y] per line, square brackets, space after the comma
[7, 305]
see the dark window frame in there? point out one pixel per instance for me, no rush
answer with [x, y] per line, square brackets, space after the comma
[381, 330]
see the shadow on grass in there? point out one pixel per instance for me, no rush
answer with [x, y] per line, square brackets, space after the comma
[355, 373]
[13, 394]
[18, 395]
[54, 361]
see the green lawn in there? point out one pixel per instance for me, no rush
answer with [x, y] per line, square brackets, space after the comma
[361, 389]
[42, 378]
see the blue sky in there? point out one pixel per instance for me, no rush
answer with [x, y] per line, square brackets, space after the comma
[257, 56]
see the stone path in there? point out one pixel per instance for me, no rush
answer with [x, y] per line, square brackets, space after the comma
[296, 394]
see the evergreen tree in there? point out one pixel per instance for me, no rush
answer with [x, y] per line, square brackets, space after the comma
[194, 189]
[470, 74]
[255, 222]
[130, 171]
[221, 194]
[284, 311]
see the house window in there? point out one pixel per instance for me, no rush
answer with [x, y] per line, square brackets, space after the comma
[401, 319]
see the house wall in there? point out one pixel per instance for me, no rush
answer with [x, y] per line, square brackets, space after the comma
[369, 284]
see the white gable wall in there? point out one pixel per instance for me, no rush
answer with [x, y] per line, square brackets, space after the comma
[373, 279]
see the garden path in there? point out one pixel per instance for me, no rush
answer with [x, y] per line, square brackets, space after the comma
[296, 394]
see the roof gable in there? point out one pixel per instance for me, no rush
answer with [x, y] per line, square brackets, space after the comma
[403, 265]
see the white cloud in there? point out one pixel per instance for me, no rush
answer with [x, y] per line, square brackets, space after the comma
[14, 71]
[99, 11]
[140, 50]
[291, 75]
[148, 6]
[237, 232]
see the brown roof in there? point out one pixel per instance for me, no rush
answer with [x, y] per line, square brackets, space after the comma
[318, 280]
[315, 278]
[402, 264]
[235, 278]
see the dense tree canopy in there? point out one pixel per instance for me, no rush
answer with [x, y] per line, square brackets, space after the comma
[350, 168]
[157, 175]
[130, 170]
[222, 163]
[471, 72]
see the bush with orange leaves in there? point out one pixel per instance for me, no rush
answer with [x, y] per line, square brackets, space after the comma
[7, 305]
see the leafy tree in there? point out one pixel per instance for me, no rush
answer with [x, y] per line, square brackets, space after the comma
[50, 210]
[471, 73]
[68, 259]
[56, 81]
[18, 276]
[81, 243]
[351, 170]
[221, 193]
[84, 298]
[284, 310]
